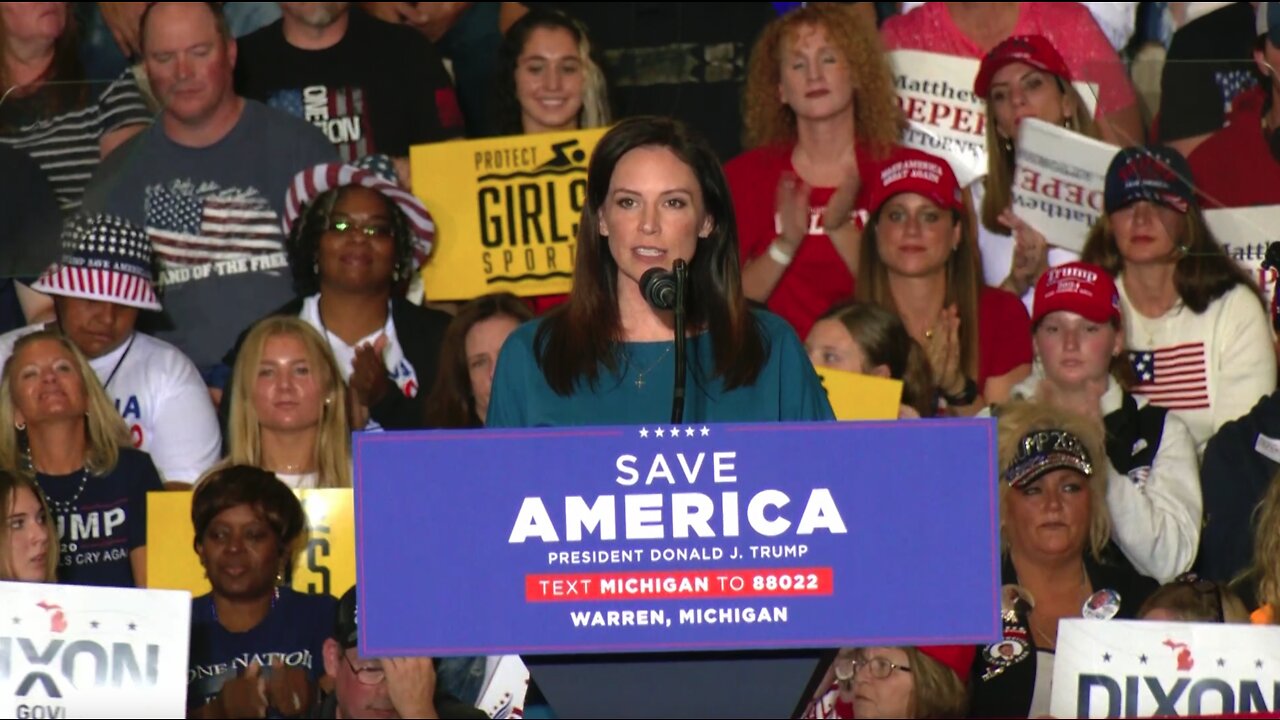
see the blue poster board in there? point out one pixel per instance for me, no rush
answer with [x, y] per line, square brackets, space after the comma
[660, 538]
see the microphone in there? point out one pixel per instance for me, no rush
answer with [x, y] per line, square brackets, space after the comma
[659, 288]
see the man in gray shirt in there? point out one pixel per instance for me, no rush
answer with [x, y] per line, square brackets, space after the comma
[208, 183]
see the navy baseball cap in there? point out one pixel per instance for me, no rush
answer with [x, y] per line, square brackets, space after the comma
[1267, 21]
[1156, 173]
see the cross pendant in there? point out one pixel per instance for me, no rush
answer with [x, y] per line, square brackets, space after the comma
[640, 381]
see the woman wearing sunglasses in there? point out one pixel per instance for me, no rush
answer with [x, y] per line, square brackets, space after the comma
[355, 242]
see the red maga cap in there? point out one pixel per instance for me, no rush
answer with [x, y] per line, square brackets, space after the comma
[1084, 289]
[1034, 50]
[914, 171]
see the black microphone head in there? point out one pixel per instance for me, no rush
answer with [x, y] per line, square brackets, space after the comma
[659, 288]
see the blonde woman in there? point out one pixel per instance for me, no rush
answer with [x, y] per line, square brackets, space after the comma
[68, 435]
[1057, 561]
[288, 406]
[819, 111]
[1022, 77]
[1260, 585]
[28, 540]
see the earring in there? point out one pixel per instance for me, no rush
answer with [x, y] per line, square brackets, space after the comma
[1183, 249]
[315, 267]
[20, 426]
[1069, 123]
[328, 401]
[1007, 144]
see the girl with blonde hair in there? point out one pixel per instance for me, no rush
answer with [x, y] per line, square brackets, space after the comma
[288, 406]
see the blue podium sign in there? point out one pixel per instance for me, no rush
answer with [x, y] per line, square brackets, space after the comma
[662, 538]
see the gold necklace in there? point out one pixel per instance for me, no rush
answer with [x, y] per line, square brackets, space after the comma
[641, 373]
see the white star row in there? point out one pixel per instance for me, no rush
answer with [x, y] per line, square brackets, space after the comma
[675, 432]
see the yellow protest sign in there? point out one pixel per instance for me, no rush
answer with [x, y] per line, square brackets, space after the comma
[326, 564]
[506, 211]
[861, 397]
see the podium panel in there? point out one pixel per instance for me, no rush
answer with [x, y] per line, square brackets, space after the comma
[723, 539]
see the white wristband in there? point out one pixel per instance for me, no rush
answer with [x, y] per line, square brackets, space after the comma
[780, 256]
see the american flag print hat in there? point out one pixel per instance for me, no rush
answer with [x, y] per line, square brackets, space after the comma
[106, 258]
[372, 171]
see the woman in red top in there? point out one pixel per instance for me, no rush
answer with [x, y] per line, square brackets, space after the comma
[919, 259]
[819, 106]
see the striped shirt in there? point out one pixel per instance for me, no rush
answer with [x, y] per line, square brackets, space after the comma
[66, 146]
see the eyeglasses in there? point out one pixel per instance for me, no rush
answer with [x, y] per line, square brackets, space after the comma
[1203, 587]
[368, 675]
[880, 668]
[369, 230]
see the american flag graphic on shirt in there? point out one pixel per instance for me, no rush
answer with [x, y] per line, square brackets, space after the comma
[197, 226]
[1174, 377]
[341, 113]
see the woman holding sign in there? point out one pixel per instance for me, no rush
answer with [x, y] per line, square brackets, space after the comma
[1196, 328]
[819, 112]
[655, 195]
[1153, 491]
[64, 431]
[919, 262]
[1054, 529]
[1022, 77]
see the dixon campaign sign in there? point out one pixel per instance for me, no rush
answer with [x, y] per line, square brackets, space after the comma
[324, 565]
[506, 210]
[68, 651]
[673, 537]
[1142, 668]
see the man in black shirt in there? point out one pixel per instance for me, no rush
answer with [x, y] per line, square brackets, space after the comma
[370, 86]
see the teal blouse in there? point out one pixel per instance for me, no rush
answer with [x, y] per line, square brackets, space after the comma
[639, 392]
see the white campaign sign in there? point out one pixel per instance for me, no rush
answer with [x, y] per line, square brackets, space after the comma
[1245, 233]
[1133, 668]
[944, 116]
[1058, 182]
[68, 651]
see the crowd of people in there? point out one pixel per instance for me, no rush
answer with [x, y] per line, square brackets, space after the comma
[212, 277]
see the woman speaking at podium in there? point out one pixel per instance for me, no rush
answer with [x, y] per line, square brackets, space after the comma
[655, 195]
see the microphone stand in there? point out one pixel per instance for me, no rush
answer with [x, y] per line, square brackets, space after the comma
[677, 394]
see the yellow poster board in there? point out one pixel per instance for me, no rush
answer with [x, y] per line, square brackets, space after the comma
[325, 565]
[506, 211]
[861, 397]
